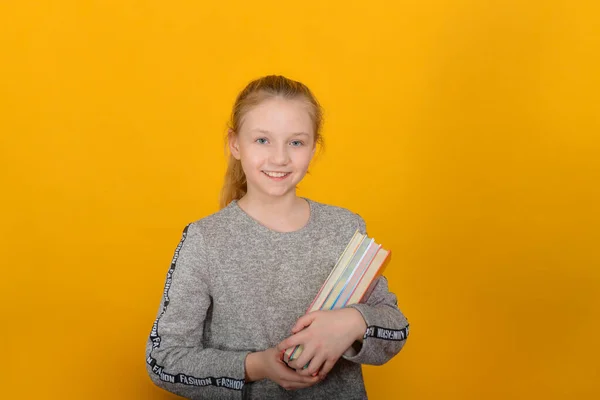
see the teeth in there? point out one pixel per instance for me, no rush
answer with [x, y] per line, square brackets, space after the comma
[276, 174]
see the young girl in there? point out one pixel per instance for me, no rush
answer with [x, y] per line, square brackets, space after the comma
[242, 278]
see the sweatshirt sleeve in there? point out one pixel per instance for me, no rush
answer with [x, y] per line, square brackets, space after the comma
[176, 357]
[387, 327]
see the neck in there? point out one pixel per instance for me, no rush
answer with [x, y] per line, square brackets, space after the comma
[275, 206]
[283, 214]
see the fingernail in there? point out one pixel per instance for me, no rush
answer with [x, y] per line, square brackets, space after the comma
[315, 374]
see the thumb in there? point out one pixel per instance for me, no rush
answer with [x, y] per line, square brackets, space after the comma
[304, 321]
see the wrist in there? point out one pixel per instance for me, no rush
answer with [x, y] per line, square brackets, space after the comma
[253, 367]
[360, 326]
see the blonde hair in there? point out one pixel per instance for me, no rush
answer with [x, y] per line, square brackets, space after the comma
[257, 91]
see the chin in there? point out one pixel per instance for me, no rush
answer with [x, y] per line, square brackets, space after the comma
[277, 192]
[274, 190]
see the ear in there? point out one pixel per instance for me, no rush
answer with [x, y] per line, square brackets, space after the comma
[234, 148]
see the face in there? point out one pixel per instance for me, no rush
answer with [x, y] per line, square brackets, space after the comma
[275, 145]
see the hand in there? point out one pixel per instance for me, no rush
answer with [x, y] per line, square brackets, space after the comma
[268, 364]
[327, 336]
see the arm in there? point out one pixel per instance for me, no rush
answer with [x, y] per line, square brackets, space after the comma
[370, 333]
[387, 328]
[176, 358]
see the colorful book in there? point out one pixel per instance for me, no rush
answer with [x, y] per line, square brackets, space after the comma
[351, 280]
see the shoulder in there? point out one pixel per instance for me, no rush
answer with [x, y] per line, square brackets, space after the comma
[213, 226]
[337, 217]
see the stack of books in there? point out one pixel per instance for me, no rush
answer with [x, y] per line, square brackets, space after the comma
[351, 280]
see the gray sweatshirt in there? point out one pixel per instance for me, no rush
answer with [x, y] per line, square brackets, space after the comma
[235, 286]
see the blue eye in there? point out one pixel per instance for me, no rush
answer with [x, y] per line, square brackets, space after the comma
[299, 143]
[261, 140]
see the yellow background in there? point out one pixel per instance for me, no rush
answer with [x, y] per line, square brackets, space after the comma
[465, 132]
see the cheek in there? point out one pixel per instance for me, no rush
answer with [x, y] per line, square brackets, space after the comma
[251, 158]
[303, 157]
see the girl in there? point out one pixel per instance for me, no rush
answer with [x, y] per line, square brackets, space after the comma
[242, 278]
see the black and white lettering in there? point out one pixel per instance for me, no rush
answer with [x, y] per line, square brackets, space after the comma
[154, 336]
[386, 334]
[229, 383]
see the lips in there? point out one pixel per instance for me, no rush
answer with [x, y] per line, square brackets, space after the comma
[273, 174]
[276, 176]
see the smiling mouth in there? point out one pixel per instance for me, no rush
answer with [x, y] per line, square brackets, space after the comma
[277, 175]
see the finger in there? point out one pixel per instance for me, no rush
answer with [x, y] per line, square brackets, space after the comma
[286, 343]
[314, 366]
[308, 353]
[303, 380]
[326, 368]
[289, 375]
[286, 354]
[291, 385]
[292, 341]
[304, 321]
[305, 357]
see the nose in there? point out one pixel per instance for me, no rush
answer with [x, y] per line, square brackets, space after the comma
[280, 155]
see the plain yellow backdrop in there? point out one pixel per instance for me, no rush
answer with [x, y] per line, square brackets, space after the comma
[465, 132]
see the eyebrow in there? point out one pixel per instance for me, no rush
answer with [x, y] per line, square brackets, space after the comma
[270, 133]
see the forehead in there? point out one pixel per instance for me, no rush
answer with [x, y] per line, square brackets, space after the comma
[279, 116]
